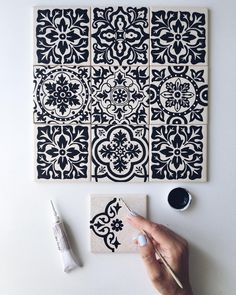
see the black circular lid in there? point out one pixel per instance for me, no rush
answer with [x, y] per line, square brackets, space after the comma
[179, 198]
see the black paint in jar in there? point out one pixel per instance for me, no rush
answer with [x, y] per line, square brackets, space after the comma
[179, 198]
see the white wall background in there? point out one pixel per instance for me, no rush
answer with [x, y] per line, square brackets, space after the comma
[29, 262]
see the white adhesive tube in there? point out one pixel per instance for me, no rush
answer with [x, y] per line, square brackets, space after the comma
[67, 257]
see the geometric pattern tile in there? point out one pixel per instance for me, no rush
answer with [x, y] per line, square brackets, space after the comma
[178, 95]
[120, 36]
[62, 35]
[61, 94]
[178, 152]
[119, 153]
[63, 152]
[120, 95]
[109, 230]
[179, 36]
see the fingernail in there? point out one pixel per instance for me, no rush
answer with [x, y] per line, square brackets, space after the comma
[142, 240]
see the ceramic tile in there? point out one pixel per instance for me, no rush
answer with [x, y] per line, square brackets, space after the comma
[61, 94]
[61, 35]
[120, 95]
[120, 35]
[110, 232]
[62, 152]
[120, 153]
[178, 95]
[179, 36]
[178, 153]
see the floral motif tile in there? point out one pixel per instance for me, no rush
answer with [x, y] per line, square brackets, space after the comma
[62, 35]
[61, 94]
[120, 35]
[179, 36]
[178, 95]
[120, 153]
[120, 95]
[178, 152]
[63, 152]
[109, 230]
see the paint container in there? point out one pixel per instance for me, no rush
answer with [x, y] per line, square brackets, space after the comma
[67, 256]
[179, 199]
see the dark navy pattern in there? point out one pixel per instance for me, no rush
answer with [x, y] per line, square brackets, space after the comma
[105, 225]
[177, 152]
[120, 35]
[120, 153]
[62, 36]
[178, 95]
[120, 95]
[125, 71]
[178, 37]
[63, 152]
[61, 94]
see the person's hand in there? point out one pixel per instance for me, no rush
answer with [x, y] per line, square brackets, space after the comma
[172, 247]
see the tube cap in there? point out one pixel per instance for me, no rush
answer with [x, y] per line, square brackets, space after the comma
[55, 214]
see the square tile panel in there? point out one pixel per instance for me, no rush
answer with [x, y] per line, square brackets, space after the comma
[62, 35]
[178, 153]
[109, 230]
[136, 77]
[179, 36]
[178, 95]
[120, 36]
[120, 95]
[62, 152]
[61, 94]
[120, 153]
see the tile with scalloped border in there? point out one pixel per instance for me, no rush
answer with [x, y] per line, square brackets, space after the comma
[119, 153]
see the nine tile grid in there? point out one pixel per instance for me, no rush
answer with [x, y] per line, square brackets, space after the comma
[150, 65]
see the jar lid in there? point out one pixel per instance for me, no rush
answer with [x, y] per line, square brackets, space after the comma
[179, 198]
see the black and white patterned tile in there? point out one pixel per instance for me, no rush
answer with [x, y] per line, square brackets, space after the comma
[120, 153]
[110, 231]
[61, 94]
[179, 36]
[178, 95]
[120, 95]
[178, 153]
[63, 152]
[62, 35]
[120, 36]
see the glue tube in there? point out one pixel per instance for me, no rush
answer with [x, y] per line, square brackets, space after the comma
[67, 256]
